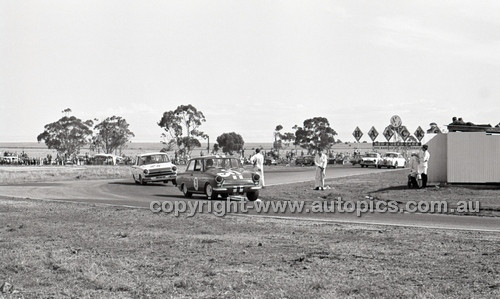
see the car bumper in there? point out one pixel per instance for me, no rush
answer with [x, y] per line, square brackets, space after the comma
[236, 189]
[159, 178]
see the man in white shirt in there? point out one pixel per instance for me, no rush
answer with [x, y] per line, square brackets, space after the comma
[258, 162]
[320, 160]
[424, 157]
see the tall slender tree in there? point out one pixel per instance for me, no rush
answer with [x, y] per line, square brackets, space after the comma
[182, 125]
[112, 134]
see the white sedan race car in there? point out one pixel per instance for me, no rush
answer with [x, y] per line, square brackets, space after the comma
[394, 160]
[154, 167]
[371, 159]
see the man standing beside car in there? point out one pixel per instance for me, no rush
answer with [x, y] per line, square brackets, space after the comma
[258, 162]
[320, 161]
[424, 157]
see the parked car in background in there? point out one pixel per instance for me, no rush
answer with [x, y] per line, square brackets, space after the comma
[341, 159]
[304, 160]
[268, 160]
[393, 159]
[154, 167]
[106, 159]
[10, 160]
[218, 175]
[371, 159]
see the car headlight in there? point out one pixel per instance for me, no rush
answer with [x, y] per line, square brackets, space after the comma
[146, 171]
[219, 180]
[174, 168]
[255, 178]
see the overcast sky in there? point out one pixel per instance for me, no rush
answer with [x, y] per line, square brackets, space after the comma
[249, 65]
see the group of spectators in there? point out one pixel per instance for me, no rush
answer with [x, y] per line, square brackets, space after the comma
[418, 168]
[459, 121]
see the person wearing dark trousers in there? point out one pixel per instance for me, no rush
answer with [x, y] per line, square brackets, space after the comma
[424, 157]
[413, 176]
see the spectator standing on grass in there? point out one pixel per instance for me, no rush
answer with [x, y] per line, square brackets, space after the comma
[320, 160]
[423, 157]
[258, 162]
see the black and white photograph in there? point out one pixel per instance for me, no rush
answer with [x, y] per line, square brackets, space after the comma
[249, 149]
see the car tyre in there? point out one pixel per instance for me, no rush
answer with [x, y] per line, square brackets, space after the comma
[186, 192]
[209, 191]
[378, 166]
[252, 196]
[396, 165]
[141, 180]
[135, 180]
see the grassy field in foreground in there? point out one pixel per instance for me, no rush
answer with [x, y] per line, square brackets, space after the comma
[74, 250]
[388, 186]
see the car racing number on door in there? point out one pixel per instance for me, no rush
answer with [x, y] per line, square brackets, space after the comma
[195, 183]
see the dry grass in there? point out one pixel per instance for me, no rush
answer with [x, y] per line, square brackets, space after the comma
[73, 250]
[23, 174]
[389, 186]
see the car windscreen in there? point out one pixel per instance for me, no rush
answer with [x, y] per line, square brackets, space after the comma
[153, 159]
[225, 163]
[391, 155]
[372, 155]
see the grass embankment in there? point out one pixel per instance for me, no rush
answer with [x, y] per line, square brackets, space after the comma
[389, 186]
[23, 174]
[72, 250]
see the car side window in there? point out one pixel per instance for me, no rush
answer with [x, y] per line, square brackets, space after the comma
[197, 165]
[209, 163]
[190, 166]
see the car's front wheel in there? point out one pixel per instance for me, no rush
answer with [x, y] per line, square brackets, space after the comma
[209, 191]
[141, 180]
[135, 180]
[186, 192]
[252, 196]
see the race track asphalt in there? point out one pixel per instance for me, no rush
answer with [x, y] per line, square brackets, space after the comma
[125, 193]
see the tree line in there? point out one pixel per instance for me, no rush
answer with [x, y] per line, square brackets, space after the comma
[69, 134]
[182, 133]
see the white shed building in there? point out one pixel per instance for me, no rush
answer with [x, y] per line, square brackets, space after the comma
[464, 157]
